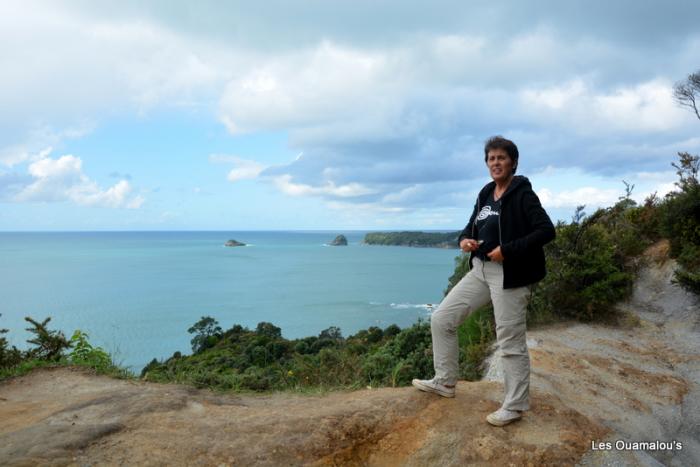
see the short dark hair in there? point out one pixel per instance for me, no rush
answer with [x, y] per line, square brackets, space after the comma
[499, 142]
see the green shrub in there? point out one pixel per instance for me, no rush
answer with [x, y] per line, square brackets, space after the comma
[475, 334]
[268, 330]
[48, 350]
[263, 360]
[586, 272]
[681, 222]
[85, 354]
[412, 348]
[461, 269]
[9, 356]
[49, 345]
[377, 368]
[688, 272]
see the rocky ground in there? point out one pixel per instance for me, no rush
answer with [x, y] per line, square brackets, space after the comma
[640, 380]
[589, 384]
[68, 417]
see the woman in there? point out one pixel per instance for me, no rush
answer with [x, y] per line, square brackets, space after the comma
[505, 234]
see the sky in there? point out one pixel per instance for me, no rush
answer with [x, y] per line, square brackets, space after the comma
[331, 115]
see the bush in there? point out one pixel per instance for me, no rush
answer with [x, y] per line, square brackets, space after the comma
[49, 345]
[48, 350]
[263, 360]
[408, 355]
[586, 269]
[681, 222]
[688, 274]
[268, 330]
[461, 269]
[9, 356]
[476, 335]
[85, 354]
[376, 368]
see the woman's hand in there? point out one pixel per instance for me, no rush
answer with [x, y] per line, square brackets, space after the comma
[496, 255]
[468, 244]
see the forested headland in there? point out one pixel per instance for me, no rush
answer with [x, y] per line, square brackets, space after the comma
[414, 239]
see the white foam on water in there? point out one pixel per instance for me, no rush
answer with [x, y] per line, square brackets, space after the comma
[406, 306]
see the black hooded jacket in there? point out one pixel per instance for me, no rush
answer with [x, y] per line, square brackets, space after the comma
[524, 228]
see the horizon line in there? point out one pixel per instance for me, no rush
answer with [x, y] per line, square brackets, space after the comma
[233, 230]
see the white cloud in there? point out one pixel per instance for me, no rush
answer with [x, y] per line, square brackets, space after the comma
[244, 168]
[322, 84]
[405, 195]
[647, 106]
[88, 193]
[556, 97]
[383, 111]
[594, 197]
[13, 155]
[656, 176]
[662, 190]
[373, 215]
[643, 107]
[285, 185]
[37, 140]
[590, 196]
[62, 179]
[65, 66]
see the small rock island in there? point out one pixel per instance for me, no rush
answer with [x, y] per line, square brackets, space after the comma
[340, 240]
[234, 243]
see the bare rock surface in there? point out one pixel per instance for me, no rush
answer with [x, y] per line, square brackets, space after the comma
[642, 382]
[70, 417]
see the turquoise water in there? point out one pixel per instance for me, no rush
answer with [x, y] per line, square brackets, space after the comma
[137, 293]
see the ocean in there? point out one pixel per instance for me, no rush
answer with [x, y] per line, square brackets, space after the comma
[137, 293]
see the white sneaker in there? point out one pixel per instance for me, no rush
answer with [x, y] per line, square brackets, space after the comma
[503, 417]
[428, 385]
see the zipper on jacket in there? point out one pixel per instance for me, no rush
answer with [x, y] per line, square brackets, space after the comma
[478, 208]
[500, 240]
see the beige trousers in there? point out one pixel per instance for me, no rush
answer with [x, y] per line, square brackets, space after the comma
[484, 282]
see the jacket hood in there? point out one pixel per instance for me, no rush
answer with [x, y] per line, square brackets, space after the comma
[519, 182]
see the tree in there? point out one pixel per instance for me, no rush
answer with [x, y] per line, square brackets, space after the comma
[268, 330]
[207, 333]
[687, 170]
[332, 332]
[49, 344]
[687, 92]
[682, 209]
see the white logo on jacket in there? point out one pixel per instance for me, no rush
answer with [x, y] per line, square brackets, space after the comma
[486, 212]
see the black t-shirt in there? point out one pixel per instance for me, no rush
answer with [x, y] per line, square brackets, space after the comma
[487, 227]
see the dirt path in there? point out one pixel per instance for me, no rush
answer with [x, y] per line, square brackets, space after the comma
[589, 384]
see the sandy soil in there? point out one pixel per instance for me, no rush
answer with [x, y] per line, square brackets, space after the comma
[589, 383]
